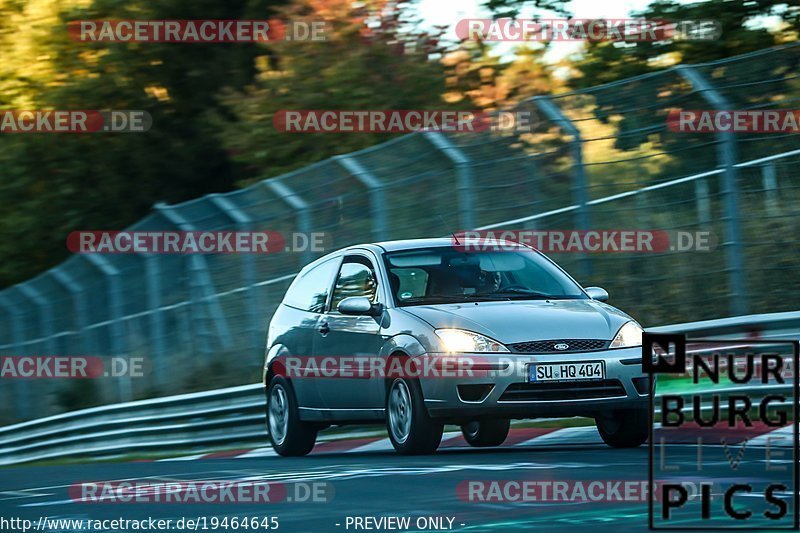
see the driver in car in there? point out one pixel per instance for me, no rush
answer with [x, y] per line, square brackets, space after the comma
[488, 282]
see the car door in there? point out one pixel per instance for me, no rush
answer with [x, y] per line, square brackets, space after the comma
[344, 336]
[303, 305]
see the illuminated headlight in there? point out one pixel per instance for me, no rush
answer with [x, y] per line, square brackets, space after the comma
[458, 340]
[628, 336]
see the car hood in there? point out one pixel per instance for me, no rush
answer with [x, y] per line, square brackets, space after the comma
[521, 321]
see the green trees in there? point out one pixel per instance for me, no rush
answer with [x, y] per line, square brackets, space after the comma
[370, 60]
[211, 106]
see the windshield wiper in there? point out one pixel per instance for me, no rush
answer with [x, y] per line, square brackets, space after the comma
[446, 298]
[528, 294]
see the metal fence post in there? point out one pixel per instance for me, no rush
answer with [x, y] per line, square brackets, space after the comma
[115, 310]
[703, 201]
[22, 404]
[152, 266]
[242, 220]
[770, 184]
[464, 175]
[201, 283]
[79, 304]
[377, 198]
[726, 153]
[579, 187]
[297, 203]
[45, 314]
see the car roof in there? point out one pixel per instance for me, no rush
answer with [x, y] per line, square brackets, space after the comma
[412, 244]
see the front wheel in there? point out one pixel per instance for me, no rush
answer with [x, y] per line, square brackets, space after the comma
[289, 435]
[486, 432]
[625, 428]
[411, 430]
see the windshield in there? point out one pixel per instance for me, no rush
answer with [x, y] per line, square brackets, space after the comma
[445, 275]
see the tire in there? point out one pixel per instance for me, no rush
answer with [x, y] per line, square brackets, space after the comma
[626, 428]
[290, 436]
[486, 432]
[411, 430]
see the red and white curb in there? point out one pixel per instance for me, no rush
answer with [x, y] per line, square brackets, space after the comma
[758, 435]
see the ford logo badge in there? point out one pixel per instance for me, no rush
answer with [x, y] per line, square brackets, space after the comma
[561, 346]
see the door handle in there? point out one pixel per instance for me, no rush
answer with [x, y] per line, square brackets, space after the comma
[324, 328]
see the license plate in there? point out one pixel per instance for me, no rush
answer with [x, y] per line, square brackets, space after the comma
[548, 372]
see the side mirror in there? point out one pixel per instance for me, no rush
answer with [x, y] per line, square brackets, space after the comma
[359, 305]
[597, 293]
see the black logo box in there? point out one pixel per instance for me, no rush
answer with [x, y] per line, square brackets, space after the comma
[677, 365]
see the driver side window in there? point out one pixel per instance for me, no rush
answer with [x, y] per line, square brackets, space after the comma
[356, 278]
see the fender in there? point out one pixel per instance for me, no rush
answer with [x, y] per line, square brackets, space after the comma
[402, 342]
[277, 350]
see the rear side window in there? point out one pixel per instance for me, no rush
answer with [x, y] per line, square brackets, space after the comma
[309, 291]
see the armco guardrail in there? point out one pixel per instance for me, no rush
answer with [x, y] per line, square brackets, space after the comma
[216, 417]
[769, 326]
[236, 415]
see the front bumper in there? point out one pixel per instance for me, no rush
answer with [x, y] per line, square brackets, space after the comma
[504, 392]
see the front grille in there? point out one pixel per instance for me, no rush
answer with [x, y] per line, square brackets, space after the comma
[578, 390]
[574, 345]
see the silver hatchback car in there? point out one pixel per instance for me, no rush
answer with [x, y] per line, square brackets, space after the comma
[422, 333]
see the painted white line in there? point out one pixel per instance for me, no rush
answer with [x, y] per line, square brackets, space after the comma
[18, 495]
[380, 445]
[267, 451]
[566, 436]
[184, 458]
[47, 504]
[781, 438]
[450, 435]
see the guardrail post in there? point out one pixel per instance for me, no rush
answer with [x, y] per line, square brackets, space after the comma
[115, 311]
[22, 403]
[579, 188]
[243, 221]
[726, 153]
[464, 176]
[202, 287]
[770, 184]
[300, 206]
[377, 198]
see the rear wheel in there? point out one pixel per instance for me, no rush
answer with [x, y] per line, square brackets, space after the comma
[289, 435]
[486, 432]
[411, 430]
[625, 428]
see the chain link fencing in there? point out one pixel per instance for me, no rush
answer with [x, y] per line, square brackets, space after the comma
[599, 158]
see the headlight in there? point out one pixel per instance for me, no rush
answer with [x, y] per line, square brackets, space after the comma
[458, 340]
[628, 336]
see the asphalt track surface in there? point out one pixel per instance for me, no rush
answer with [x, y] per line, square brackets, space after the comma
[377, 483]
